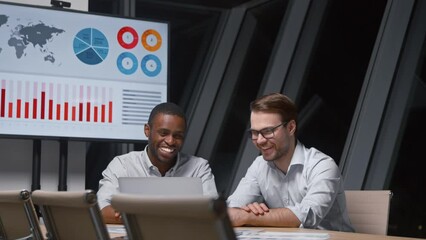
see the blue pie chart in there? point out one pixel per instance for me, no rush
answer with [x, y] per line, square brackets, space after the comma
[90, 46]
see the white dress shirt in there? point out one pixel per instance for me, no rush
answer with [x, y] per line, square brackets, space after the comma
[137, 164]
[312, 189]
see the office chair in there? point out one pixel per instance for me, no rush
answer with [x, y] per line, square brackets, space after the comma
[71, 215]
[18, 218]
[368, 210]
[174, 217]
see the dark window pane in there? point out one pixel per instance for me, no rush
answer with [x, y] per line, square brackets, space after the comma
[337, 72]
[408, 211]
[268, 18]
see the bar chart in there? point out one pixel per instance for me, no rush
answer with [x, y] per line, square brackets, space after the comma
[50, 101]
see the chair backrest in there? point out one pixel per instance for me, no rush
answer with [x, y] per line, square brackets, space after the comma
[18, 218]
[174, 217]
[71, 214]
[368, 210]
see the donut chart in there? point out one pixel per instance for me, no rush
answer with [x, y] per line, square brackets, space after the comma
[151, 65]
[151, 40]
[127, 37]
[90, 46]
[127, 63]
[135, 46]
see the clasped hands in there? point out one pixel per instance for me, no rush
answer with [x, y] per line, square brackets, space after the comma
[117, 216]
[241, 216]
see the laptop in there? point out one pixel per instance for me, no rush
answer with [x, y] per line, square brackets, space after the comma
[169, 186]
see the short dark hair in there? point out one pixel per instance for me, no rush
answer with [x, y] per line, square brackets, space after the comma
[166, 108]
[276, 103]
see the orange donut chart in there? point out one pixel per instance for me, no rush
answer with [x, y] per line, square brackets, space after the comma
[145, 40]
[123, 43]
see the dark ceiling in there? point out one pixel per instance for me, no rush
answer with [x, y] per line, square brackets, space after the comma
[225, 4]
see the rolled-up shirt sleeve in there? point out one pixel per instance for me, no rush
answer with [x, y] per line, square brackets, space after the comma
[323, 184]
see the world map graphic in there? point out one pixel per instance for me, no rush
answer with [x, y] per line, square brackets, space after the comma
[27, 34]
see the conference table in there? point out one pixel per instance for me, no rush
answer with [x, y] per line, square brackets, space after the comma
[117, 232]
[303, 233]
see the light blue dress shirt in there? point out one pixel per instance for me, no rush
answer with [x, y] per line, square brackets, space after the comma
[312, 189]
[137, 164]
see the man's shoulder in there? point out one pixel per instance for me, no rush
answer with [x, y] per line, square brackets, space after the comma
[184, 157]
[135, 155]
[315, 158]
[312, 153]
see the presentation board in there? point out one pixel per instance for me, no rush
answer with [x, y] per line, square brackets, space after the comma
[72, 74]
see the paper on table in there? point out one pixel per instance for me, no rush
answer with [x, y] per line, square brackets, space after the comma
[116, 229]
[260, 234]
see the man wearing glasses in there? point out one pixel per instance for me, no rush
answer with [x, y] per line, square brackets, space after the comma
[289, 185]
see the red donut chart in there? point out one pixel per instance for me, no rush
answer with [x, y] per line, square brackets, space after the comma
[151, 40]
[121, 37]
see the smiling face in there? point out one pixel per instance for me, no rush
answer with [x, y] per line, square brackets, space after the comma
[165, 139]
[279, 148]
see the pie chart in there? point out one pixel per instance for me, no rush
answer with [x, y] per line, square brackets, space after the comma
[127, 63]
[90, 46]
[151, 65]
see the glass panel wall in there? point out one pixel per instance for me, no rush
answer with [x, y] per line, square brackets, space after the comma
[266, 19]
[334, 81]
[407, 178]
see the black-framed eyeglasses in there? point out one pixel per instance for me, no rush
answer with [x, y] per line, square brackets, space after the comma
[267, 133]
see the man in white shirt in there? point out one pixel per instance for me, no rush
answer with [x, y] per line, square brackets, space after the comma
[165, 130]
[289, 185]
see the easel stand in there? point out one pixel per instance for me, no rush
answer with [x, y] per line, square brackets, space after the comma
[36, 165]
[63, 165]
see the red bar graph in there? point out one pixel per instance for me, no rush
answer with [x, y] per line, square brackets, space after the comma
[19, 100]
[3, 98]
[88, 105]
[66, 103]
[110, 112]
[95, 117]
[50, 101]
[73, 113]
[58, 105]
[10, 112]
[35, 101]
[18, 108]
[110, 106]
[43, 100]
[27, 103]
[103, 113]
[66, 111]
[10, 109]
[27, 109]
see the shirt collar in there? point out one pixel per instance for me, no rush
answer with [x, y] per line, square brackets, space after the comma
[148, 164]
[145, 159]
[296, 159]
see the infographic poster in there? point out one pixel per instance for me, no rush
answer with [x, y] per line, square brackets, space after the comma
[79, 75]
